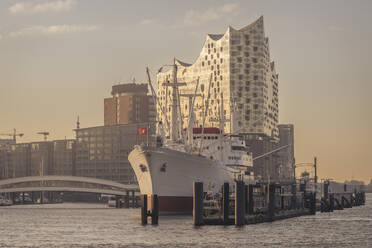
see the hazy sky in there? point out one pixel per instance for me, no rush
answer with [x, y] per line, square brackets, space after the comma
[59, 59]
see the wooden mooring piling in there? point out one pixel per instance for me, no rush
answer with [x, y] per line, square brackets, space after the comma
[153, 212]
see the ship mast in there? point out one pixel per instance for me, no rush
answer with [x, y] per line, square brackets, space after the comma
[222, 127]
[155, 97]
[205, 112]
[190, 123]
[175, 129]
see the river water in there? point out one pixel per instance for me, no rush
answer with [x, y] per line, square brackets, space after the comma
[90, 225]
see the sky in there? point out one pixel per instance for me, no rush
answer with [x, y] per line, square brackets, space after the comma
[59, 59]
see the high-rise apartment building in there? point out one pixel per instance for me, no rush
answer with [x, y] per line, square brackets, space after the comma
[236, 71]
[129, 104]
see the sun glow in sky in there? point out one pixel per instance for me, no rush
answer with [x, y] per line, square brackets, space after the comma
[59, 59]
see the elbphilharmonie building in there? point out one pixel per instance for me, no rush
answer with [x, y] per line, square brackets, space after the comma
[235, 70]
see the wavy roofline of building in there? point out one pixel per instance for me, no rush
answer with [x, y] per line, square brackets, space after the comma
[214, 38]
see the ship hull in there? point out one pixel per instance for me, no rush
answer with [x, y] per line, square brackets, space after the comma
[170, 175]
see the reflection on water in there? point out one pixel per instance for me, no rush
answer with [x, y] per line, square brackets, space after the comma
[93, 225]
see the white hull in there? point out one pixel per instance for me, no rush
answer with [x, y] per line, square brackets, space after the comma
[167, 172]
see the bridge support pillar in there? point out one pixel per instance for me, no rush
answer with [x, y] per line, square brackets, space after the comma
[294, 196]
[51, 197]
[33, 197]
[126, 199]
[133, 200]
[41, 197]
[250, 200]
[117, 199]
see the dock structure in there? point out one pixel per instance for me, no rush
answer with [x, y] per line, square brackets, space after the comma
[240, 204]
[258, 203]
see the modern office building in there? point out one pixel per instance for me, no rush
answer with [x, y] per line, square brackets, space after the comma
[129, 104]
[21, 160]
[5, 142]
[266, 168]
[6, 165]
[38, 158]
[102, 152]
[286, 156]
[235, 69]
[64, 157]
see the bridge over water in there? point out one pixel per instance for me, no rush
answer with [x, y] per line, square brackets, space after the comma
[65, 183]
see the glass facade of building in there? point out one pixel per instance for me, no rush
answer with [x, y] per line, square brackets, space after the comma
[102, 152]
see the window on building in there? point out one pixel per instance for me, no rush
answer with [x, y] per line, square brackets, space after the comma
[255, 77]
[246, 54]
[254, 60]
[255, 106]
[254, 94]
[255, 49]
[239, 48]
[239, 59]
[240, 77]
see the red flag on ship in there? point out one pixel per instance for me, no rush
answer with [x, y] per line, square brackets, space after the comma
[142, 131]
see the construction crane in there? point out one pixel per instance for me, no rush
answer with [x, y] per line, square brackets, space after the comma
[14, 134]
[45, 135]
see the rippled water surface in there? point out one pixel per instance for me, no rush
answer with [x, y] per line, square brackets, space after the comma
[89, 225]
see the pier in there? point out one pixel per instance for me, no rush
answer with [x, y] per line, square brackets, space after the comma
[258, 203]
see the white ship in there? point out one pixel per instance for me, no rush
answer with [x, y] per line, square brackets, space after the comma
[169, 168]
